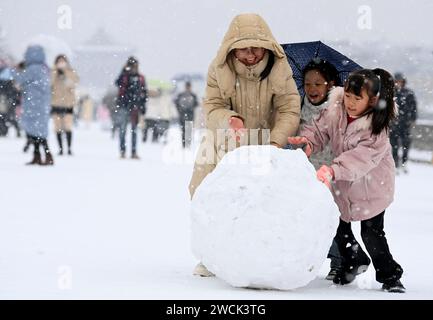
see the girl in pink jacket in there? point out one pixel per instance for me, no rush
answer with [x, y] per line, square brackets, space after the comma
[361, 176]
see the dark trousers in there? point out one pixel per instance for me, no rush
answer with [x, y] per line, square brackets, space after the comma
[158, 127]
[188, 117]
[375, 242]
[12, 120]
[400, 137]
[150, 124]
[14, 123]
[37, 142]
[132, 117]
[3, 126]
[334, 255]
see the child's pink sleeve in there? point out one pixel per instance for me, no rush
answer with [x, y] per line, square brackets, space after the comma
[317, 133]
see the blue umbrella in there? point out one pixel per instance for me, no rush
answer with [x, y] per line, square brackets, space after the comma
[300, 54]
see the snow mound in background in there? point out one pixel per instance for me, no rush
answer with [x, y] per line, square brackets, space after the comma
[261, 219]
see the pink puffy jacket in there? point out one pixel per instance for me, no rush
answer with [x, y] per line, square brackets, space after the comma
[363, 165]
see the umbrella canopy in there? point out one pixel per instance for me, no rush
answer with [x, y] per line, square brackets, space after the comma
[300, 54]
[188, 77]
[53, 46]
[161, 84]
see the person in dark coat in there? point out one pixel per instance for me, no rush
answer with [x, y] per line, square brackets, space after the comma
[400, 136]
[110, 102]
[9, 100]
[132, 97]
[35, 85]
[186, 102]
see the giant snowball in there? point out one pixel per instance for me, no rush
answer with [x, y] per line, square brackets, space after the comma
[261, 219]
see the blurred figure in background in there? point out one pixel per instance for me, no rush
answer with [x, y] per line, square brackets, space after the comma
[160, 111]
[186, 102]
[132, 97]
[110, 102]
[9, 101]
[21, 66]
[400, 130]
[86, 109]
[63, 83]
[34, 82]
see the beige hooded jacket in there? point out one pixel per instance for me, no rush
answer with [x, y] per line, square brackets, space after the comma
[234, 89]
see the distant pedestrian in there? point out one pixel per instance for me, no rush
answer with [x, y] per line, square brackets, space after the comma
[131, 99]
[400, 132]
[186, 102]
[34, 81]
[63, 82]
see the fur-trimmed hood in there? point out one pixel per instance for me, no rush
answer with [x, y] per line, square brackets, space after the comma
[250, 30]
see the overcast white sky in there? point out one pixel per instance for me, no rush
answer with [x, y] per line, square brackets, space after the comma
[174, 35]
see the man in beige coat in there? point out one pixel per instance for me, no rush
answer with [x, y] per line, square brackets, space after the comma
[249, 89]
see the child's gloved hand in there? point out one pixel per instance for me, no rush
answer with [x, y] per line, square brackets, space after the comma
[237, 125]
[301, 141]
[325, 174]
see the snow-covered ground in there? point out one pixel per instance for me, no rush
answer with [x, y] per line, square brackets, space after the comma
[94, 226]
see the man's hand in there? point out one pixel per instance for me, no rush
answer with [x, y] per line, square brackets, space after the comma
[237, 125]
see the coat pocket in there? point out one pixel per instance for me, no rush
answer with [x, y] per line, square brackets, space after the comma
[358, 192]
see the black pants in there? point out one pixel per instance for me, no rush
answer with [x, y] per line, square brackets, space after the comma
[376, 244]
[186, 140]
[3, 126]
[129, 116]
[37, 142]
[334, 255]
[150, 124]
[400, 137]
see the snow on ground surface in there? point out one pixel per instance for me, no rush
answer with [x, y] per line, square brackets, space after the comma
[421, 156]
[97, 227]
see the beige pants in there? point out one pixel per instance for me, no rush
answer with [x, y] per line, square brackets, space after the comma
[63, 122]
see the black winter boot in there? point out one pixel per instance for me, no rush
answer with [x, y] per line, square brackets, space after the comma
[332, 274]
[394, 286]
[69, 141]
[60, 142]
[354, 263]
[36, 159]
[49, 161]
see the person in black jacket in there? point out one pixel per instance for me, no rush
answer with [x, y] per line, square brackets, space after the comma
[9, 101]
[132, 97]
[400, 130]
[186, 102]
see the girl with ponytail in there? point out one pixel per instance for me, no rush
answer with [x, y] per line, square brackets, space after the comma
[361, 176]
[378, 85]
